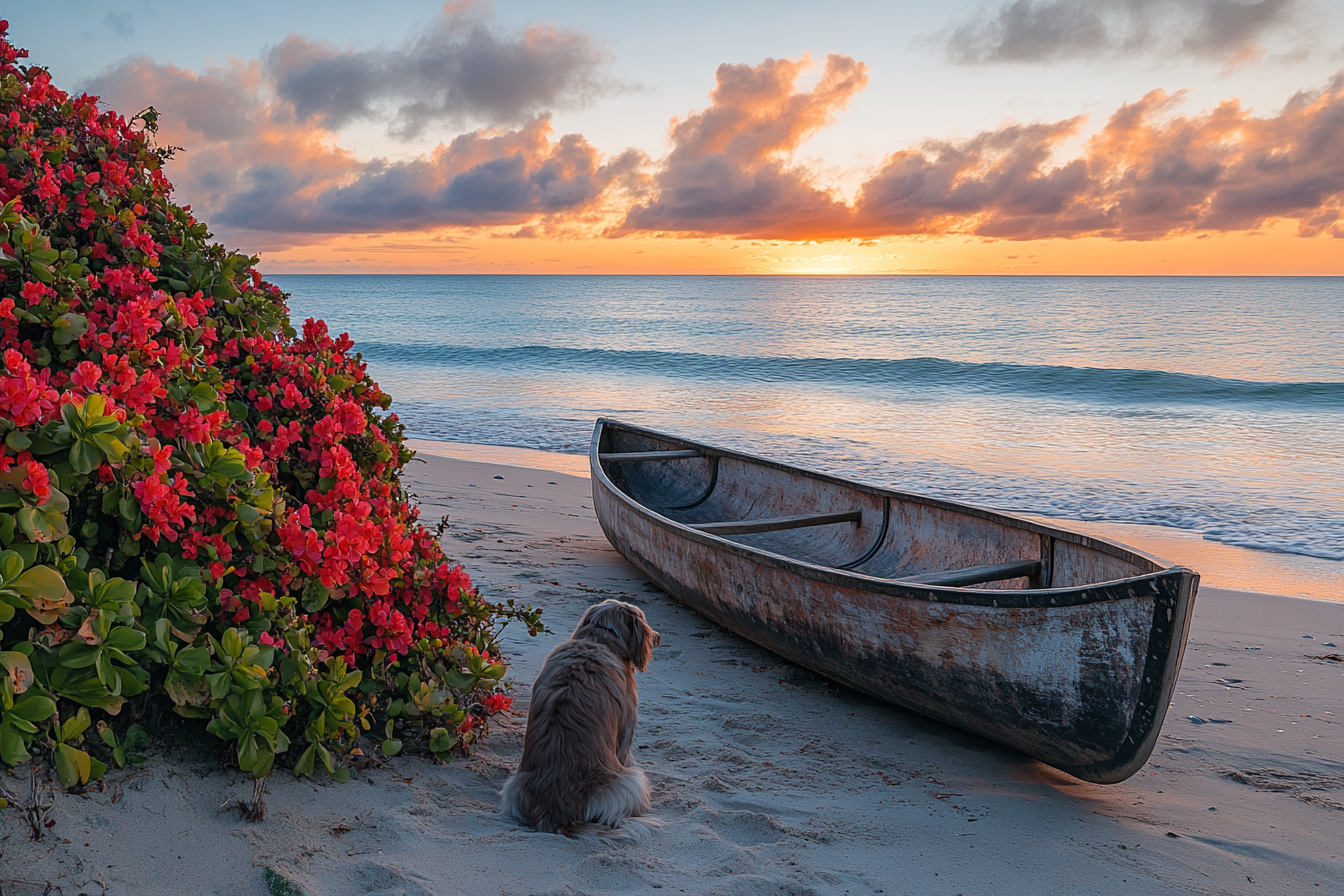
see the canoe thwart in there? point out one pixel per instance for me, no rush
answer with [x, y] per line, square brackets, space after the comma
[974, 575]
[631, 456]
[775, 524]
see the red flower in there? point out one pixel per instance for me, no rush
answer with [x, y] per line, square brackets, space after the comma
[86, 375]
[38, 482]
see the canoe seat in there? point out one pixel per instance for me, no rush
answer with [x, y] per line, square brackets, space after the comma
[746, 527]
[631, 456]
[975, 575]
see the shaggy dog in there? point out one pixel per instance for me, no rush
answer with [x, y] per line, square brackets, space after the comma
[576, 776]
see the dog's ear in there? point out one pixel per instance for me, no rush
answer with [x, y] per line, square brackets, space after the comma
[627, 623]
[642, 637]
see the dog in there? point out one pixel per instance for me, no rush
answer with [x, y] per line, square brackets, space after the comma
[577, 776]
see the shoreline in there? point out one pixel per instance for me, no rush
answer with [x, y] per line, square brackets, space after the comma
[1219, 565]
[768, 778]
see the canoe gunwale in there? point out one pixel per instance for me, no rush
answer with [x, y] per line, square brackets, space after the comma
[843, 577]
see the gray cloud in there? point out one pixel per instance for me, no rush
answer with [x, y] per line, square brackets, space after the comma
[120, 23]
[1032, 31]
[458, 69]
[218, 104]
[480, 179]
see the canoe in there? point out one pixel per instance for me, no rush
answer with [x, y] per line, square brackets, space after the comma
[1059, 645]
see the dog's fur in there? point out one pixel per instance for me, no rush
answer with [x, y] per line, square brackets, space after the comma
[576, 776]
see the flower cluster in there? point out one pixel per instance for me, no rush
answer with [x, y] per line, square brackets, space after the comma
[208, 498]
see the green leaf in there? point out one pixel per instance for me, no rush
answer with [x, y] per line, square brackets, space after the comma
[69, 327]
[13, 748]
[73, 766]
[306, 761]
[76, 725]
[11, 565]
[34, 708]
[391, 747]
[113, 448]
[78, 655]
[316, 597]
[218, 684]
[440, 741]
[40, 583]
[136, 738]
[192, 662]
[42, 524]
[125, 638]
[460, 680]
[84, 458]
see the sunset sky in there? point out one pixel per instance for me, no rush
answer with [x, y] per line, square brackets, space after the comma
[906, 136]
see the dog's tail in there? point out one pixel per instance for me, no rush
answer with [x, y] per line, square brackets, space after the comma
[635, 829]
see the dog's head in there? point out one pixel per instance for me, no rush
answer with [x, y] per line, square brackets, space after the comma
[615, 620]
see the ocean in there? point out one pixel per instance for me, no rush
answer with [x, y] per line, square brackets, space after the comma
[1208, 404]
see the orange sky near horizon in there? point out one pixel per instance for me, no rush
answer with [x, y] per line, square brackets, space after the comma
[1277, 251]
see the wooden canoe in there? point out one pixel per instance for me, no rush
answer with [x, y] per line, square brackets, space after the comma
[1059, 645]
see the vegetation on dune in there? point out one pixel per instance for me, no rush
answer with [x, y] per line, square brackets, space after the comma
[200, 508]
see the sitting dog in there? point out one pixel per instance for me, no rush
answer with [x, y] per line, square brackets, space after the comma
[576, 776]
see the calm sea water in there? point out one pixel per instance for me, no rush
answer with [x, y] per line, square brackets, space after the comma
[1212, 404]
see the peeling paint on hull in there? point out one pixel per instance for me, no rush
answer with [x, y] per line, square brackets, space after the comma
[1073, 666]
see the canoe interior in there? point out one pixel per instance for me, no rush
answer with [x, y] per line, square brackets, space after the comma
[898, 535]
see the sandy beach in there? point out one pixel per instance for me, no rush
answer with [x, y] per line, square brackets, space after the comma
[769, 779]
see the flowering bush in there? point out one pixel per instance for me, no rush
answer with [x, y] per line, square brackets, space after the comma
[198, 505]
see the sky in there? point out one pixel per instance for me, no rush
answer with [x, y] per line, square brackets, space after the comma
[906, 136]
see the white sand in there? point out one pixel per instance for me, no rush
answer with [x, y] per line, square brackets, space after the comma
[771, 781]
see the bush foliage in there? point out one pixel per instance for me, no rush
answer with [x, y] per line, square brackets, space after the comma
[200, 508]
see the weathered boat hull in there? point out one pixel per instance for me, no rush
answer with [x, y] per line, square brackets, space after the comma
[1075, 674]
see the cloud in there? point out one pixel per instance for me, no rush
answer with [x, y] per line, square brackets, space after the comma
[729, 169]
[120, 24]
[219, 104]
[1034, 31]
[456, 70]
[1143, 177]
[254, 166]
[484, 178]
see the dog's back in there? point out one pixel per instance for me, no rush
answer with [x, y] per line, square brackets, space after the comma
[578, 704]
[576, 775]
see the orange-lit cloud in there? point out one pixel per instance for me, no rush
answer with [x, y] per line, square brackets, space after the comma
[729, 171]
[1140, 178]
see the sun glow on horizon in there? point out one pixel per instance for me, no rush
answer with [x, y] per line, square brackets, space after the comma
[1276, 251]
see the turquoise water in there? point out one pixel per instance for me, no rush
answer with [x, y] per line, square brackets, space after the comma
[1212, 404]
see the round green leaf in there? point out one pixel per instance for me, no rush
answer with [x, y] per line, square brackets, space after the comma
[40, 583]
